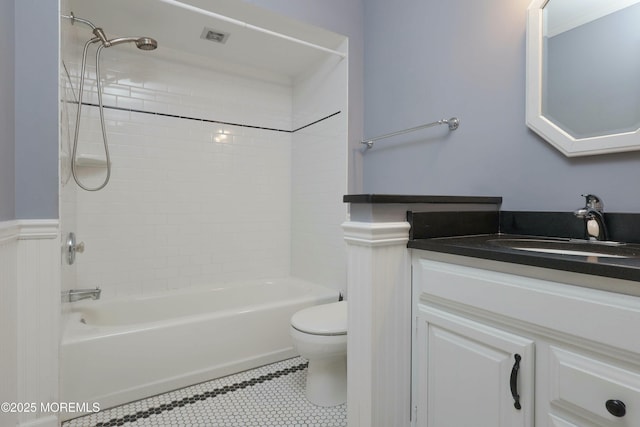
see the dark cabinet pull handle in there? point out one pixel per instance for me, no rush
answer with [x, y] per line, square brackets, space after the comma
[514, 382]
[616, 408]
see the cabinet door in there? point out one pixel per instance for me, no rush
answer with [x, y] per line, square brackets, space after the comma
[467, 376]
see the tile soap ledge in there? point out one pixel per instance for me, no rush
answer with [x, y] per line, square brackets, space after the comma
[91, 160]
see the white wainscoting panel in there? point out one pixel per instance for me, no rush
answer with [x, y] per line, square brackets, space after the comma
[30, 305]
[8, 318]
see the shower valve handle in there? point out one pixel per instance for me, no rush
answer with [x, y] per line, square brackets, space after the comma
[73, 248]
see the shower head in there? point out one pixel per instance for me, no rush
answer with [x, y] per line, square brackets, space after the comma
[143, 43]
[146, 43]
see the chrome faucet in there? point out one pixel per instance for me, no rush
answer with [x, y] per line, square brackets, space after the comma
[593, 215]
[74, 295]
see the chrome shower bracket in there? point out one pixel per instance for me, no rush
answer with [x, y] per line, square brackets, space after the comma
[72, 248]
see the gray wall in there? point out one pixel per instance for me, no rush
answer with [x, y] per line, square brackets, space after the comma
[343, 17]
[36, 109]
[7, 128]
[432, 59]
[423, 60]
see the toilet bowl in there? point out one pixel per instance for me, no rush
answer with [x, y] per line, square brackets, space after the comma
[319, 335]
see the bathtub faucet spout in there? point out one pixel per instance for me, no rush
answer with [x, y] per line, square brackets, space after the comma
[74, 295]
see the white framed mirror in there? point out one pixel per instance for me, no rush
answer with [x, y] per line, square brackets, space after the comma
[583, 74]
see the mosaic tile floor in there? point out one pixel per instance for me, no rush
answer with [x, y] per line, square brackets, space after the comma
[271, 395]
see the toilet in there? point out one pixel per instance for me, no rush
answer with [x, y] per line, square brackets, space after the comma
[319, 335]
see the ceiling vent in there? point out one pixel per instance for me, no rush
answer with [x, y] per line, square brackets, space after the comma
[214, 35]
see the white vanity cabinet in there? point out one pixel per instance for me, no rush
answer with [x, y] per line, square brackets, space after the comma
[578, 348]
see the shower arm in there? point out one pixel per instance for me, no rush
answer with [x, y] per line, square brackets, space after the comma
[97, 31]
[74, 18]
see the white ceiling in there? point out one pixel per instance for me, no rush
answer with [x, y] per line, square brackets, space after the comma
[178, 32]
[564, 15]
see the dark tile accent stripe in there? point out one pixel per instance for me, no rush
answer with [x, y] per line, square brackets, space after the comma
[175, 116]
[427, 225]
[313, 123]
[200, 396]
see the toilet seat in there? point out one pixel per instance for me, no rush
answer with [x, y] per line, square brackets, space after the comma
[324, 319]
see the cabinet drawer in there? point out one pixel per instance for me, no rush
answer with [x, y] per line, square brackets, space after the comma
[588, 387]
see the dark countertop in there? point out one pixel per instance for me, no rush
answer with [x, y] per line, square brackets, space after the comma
[487, 246]
[402, 198]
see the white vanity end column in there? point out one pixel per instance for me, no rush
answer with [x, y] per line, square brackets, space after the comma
[379, 323]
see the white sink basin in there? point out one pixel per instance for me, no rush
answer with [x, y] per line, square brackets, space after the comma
[575, 247]
[569, 252]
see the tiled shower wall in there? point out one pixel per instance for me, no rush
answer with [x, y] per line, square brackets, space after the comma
[189, 202]
[319, 175]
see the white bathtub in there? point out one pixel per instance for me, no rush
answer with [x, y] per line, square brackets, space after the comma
[117, 351]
